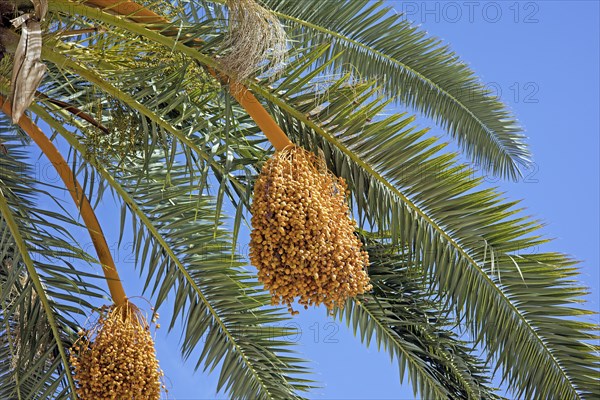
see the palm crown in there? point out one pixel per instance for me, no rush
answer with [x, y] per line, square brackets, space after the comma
[143, 99]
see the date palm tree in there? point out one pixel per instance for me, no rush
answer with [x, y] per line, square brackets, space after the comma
[139, 98]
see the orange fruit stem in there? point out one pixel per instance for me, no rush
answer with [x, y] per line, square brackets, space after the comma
[87, 212]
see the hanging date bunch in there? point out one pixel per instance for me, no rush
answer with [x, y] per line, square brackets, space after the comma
[115, 359]
[303, 240]
[255, 40]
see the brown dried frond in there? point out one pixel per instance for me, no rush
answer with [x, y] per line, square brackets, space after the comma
[255, 36]
[115, 358]
[303, 241]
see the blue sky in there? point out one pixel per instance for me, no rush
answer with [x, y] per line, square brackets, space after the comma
[542, 60]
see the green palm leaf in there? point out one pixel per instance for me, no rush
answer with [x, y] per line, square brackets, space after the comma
[40, 290]
[431, 205]
[227, 306]
[415, 330]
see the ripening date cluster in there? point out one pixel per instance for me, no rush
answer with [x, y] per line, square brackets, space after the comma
[116, 358]
[303, 240]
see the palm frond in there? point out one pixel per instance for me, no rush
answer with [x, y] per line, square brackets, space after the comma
[182, 255]
[414, 329]
[41, 292]
[225, 304]
[433, 207]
